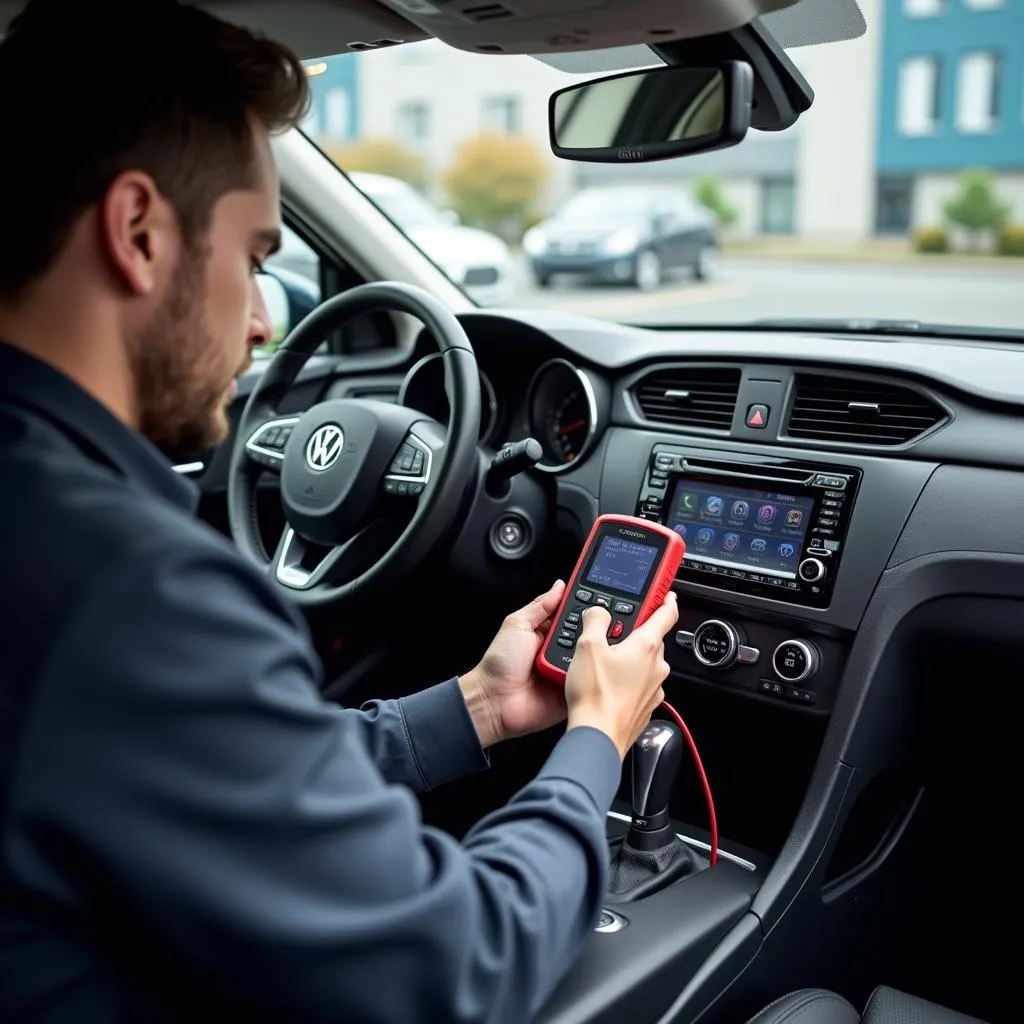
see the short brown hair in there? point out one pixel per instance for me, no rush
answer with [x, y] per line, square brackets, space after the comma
[94, 89]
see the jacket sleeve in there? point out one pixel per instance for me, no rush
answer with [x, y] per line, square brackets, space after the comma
[424, 740]
[178, 746]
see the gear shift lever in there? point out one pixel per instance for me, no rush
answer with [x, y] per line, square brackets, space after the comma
[657, 754]
[652, 856]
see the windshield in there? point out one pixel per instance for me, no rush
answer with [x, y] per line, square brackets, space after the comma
[407, 209]
[898, 196]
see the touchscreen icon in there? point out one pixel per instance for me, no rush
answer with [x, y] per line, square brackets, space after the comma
[757, 545]
[705, 536]
[766, 515]
[680, 528]
[688, 502]
[786, 550]
[731, 542]
[713, 505]
[794, 517]
[740, 510]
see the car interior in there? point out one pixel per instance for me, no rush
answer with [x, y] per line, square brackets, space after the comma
[845, 690]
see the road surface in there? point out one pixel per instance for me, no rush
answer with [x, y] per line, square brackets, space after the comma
[744, 290]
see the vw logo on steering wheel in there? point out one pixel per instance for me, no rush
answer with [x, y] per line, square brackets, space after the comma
[324, 448]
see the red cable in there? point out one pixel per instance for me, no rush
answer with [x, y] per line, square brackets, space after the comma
[703, 779]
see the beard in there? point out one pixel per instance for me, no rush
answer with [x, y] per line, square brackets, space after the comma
[182, 373]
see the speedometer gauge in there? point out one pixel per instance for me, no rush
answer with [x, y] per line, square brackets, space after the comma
[562, 414]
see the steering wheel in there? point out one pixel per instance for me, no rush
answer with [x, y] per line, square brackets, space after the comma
[347, 465]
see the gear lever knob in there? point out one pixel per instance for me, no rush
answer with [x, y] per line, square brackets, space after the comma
[657, 755]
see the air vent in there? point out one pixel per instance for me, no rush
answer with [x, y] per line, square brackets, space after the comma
[854, 411]
[689, 396]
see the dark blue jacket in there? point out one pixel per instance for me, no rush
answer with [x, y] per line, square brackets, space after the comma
[187, 831]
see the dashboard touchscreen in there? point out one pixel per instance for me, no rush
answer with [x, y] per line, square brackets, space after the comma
[740, 528]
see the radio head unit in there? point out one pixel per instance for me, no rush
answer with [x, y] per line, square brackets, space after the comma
[773, 528]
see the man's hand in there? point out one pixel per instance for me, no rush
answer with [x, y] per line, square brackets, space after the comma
[505, 695]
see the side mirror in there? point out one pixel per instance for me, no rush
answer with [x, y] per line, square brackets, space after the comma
[289, 298]
[649, 115]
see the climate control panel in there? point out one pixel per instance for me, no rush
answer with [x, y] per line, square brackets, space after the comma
[756, 657]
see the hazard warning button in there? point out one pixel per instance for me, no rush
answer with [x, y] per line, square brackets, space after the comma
[757, 417]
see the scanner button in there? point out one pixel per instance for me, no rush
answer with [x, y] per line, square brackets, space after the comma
[564, 643]
[616, 631]
[584, 596]
[623, 608]
[572, 619]
[603, 602]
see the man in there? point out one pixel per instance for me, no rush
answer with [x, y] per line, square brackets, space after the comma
[187, 832]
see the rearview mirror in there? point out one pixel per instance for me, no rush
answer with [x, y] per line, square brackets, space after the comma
[652, 115]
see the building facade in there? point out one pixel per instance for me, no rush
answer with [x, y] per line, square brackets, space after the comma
[952, 98]
[335, 115]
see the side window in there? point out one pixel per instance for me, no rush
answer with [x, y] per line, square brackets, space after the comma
[291, 284]
[297, 278]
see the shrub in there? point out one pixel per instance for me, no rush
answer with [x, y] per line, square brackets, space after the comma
[931, 240]
[1011, 240]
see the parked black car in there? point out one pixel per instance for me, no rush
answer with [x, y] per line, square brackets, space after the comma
[627, 234]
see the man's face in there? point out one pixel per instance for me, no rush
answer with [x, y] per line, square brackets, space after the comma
[199, 340]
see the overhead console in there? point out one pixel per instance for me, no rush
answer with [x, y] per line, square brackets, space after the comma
[774, 529]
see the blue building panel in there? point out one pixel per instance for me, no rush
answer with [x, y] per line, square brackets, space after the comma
[334, 116]
[947, 36]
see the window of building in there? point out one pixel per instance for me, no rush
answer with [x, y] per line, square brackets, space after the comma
[920, 83]
[413, 122]
[336, 114]
[778, 206]
[977, 91]
[923, 8]
[894, 205]
[502, 114]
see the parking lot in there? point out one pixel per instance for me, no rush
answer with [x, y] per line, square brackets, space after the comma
[987, 295]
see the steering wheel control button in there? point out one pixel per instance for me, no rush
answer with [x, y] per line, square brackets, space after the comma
[811, 570]
[584, 596]
[622, 608]
[685, 639]
[716, 643]
[757, 416]
[795, 661]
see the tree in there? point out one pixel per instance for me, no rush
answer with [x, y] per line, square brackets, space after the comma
[495, 181]
[381, 156]
[976, 208]
[708, 192]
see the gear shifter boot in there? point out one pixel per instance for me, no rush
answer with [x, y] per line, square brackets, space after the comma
[636, 873]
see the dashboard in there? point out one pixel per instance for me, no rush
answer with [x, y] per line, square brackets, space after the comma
[790, 462]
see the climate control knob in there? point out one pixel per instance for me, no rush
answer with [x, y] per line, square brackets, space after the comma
[811, 570]
[716, 643]
[795, 661]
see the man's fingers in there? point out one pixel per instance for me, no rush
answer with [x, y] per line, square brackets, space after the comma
[662, 620]
[541, 608]
[596, 621]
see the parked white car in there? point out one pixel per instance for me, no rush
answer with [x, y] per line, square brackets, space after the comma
[477, 261]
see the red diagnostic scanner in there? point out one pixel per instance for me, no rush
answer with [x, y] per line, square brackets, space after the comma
[627, 566]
